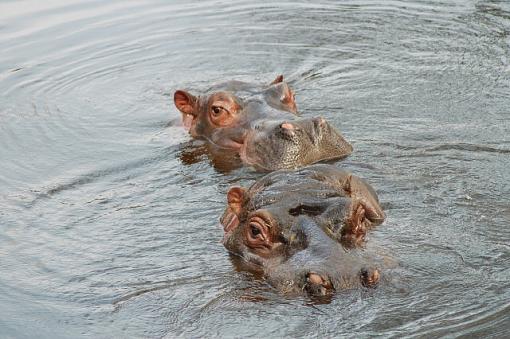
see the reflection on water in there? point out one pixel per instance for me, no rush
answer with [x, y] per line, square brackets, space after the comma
[223, 160]
[108, 213]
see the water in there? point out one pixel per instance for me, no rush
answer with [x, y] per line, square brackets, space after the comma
[109, 215]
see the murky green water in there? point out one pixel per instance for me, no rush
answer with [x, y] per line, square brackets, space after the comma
[108, 220]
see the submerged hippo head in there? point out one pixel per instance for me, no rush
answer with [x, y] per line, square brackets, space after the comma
[258, 123]
[292, 225]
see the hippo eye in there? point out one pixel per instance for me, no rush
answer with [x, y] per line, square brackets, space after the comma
[257, 233]
[217, 110]
[254, 230]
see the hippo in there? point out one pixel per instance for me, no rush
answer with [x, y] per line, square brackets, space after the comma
[301, 229]
[260, 124]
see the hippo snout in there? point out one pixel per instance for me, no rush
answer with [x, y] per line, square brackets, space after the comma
[369, 277]
[274, 145]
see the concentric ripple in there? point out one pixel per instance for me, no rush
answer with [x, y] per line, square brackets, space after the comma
[108, 213]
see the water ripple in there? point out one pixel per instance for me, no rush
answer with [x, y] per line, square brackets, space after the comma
[108, 215]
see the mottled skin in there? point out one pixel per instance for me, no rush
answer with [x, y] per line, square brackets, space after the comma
[260, 124]
[301, 228]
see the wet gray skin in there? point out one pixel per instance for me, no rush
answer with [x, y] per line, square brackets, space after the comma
[301, 228]
[259, 124]
[292, 144]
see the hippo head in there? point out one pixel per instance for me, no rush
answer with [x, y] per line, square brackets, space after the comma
[233, 104]
[292, 224]
[259, 123]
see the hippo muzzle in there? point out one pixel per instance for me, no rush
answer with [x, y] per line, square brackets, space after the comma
[274, 145]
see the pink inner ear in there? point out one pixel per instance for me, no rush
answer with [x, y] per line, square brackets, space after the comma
[184, 102]
[234, 195]
[359, 215]
[232, 222]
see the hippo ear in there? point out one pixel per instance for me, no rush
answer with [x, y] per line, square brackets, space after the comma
[355, 228]
[366, 195]
[232, 215]
[278, 79]
[185, 102]
[236, 197]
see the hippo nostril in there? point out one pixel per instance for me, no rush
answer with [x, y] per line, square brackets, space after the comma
[369, 277]
[287, 126]
[318, 285]
[288, 129]
[314, 278]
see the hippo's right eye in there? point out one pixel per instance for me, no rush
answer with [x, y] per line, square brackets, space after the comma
[257, 235]
[256, 232]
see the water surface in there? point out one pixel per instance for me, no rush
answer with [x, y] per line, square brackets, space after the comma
[109, 216]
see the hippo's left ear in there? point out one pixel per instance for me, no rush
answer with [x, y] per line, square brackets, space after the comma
[278, 79]
[236, 197]
[366, 195]
[355, 228]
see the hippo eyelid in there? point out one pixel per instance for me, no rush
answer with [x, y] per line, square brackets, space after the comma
[257, 219]
[217, 109]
